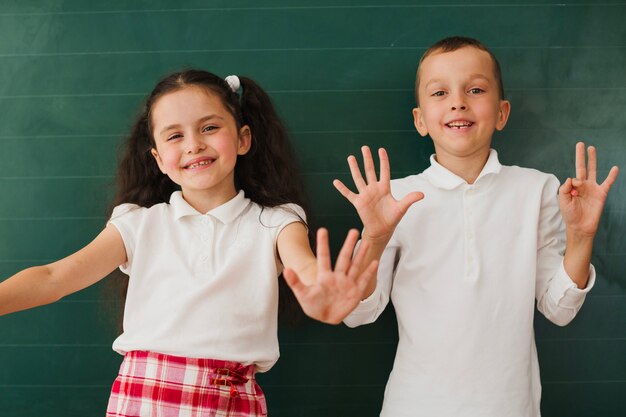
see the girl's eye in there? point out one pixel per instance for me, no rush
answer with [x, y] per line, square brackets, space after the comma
[476, 90]
[209, 128]
[174, 136]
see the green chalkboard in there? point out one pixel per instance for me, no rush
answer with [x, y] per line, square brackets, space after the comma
[73, 73]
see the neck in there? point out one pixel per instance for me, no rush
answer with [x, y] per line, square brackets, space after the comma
[467, 167]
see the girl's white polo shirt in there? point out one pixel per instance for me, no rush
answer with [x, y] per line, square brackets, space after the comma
[203, 285]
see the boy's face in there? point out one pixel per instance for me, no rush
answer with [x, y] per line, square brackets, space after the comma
[459, 104]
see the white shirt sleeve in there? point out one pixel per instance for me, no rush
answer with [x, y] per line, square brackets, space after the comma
[369, 309]
[558, 297]
[124, 218]
[281, 216]
[290, 213]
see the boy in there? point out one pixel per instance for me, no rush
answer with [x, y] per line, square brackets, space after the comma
[464, 267]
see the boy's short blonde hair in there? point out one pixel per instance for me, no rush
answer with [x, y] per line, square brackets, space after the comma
[452, 44]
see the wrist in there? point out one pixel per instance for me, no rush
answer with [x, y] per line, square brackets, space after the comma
[376, 241]
[578, 249]
[578, 237]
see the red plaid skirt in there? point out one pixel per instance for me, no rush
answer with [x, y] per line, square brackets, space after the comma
[158, 385]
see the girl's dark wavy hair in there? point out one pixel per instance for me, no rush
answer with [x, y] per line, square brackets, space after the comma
[268, 173]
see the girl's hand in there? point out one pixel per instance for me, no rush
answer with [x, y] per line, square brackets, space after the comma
[581, 199]
[378, 210]
[334, 294]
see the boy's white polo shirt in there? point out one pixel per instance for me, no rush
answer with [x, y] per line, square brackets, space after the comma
[463, 270]
[203, 285]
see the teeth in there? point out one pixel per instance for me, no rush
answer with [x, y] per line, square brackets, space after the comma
[199, 164]
[459, 124]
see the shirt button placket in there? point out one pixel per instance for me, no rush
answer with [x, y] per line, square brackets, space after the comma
[470, 244]
[206, 230]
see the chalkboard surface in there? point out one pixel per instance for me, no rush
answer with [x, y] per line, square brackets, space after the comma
[73, 73]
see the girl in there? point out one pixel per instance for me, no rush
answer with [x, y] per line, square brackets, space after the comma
[204, 223]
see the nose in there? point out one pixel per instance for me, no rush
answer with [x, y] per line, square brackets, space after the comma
[458, 102]
[194, 144]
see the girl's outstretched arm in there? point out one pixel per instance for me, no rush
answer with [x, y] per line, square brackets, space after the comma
[325, 294]
[45, 284]
[581, 200]
[379, 211]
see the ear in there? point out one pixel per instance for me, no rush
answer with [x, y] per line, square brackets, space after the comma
[158, 159]
[418, 121]
[503, 114]
[245, 140]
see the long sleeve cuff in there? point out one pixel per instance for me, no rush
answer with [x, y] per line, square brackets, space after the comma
[564, 291]
[366, 311]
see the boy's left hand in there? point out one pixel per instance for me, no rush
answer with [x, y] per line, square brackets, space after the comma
[582, 199]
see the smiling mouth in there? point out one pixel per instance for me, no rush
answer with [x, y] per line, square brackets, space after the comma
[459, 124]
[199, 164]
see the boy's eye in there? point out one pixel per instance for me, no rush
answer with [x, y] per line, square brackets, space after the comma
[476, 90]
[438, 93]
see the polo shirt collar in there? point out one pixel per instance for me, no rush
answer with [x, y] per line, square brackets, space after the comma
[225, 213]
[441, 177]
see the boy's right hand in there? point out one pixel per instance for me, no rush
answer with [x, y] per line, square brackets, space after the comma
[378, 210]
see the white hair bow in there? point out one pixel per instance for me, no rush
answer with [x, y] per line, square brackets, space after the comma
[233, 82]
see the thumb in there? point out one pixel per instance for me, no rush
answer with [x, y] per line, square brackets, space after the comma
[409, 200]
[343, 190]
[294, 282]
[566, 191]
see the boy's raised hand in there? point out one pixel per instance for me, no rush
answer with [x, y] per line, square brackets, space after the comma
[378, 210]
[334, 294]
[582, 199]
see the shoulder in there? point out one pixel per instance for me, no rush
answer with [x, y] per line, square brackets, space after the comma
[128, 212]
[529, 183]
[527, 176]
[275, 216]
[270, 221]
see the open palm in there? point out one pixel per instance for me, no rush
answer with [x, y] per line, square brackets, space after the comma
[335, 293]
[379, 211]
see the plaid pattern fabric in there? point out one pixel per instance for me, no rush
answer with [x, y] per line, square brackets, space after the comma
[157, 385]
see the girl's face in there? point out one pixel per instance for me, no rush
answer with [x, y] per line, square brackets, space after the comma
[197, 144]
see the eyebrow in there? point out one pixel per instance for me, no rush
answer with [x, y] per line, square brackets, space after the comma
[200, 120]
[436, 80]
[472, 77]
[481, 76]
